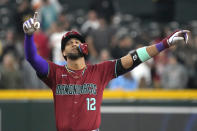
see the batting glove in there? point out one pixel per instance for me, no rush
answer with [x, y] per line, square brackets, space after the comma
[176, 37]
[31, 25]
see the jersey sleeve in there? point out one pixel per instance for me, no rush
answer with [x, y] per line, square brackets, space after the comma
[107, 70]
[50, 79]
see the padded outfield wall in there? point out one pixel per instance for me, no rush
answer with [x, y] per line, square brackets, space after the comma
[145, 110]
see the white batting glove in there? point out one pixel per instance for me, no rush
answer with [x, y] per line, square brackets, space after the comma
[31, 25]
[176, 37]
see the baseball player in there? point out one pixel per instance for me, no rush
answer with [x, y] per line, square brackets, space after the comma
[78, 87]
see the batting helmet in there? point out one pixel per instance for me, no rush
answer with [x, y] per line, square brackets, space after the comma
[68, 36]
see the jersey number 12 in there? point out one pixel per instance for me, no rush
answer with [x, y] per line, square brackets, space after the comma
[91, 104]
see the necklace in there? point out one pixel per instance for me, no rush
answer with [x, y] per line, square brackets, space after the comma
[76, 74]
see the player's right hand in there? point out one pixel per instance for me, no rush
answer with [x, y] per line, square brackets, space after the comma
[31, 25]
[176, 37]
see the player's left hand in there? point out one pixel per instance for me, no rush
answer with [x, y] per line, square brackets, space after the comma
[177, 36]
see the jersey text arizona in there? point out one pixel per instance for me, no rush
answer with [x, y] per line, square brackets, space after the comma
[76, 89]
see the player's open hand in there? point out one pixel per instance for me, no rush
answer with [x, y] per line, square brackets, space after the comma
[176, 37]
[31, 25]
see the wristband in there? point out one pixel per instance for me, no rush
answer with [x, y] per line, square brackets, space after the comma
[160, 46]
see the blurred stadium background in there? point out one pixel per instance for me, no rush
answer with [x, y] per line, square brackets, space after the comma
[159, 95]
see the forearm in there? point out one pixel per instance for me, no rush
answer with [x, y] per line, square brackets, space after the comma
[152, 51]
[36, 61]
[142, 54]
[136, 57]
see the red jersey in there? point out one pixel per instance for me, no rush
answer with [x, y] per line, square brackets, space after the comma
[78, 95]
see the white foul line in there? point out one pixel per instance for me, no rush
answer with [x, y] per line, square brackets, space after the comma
[148, 109]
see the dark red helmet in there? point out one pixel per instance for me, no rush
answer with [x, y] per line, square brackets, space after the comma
[68, 36]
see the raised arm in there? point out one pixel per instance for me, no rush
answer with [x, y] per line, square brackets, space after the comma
[143, 54]
[37, 62]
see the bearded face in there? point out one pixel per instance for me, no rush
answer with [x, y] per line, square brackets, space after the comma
[71, 50]
[74, 56]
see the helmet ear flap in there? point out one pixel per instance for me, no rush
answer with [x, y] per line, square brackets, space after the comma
[83, 48]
